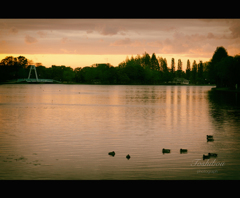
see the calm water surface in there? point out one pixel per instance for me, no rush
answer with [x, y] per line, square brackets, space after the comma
[64, 132]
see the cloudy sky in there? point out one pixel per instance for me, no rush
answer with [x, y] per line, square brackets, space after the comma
[83, 42]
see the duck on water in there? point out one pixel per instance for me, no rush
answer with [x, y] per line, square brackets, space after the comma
[166, 150]
[183, 150]
[210, 155]
[111, 153]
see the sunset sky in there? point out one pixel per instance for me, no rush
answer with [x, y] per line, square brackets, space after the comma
[83, 42]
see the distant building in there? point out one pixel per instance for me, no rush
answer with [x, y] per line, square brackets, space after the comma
[179, 81]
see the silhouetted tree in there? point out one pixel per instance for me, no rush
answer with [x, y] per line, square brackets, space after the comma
[68, 74]
[200, 79]
[13, 68]
[179, 71]
[78, 74]
[188, 70]
[234, 75]
[146, 60]
[205, 72]
[228, 72]
[22, 61]
[135, 73]
[41, 71]
[173, 68]
[165, 74]
[138, 60]
[8, 61]
[194, 72]
[222, 69]
[121, 77]
[219, 53]
[154, 63]
[57, 73]
[90, 74]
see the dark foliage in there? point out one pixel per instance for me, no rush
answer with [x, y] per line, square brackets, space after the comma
[222, 70]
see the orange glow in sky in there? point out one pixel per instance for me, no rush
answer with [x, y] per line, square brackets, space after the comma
[75, 60]
[83, 42]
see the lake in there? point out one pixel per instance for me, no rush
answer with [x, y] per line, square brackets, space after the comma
[65, 132]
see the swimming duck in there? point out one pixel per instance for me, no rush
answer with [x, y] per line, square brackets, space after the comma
[212, 154]
[128, 156]
[206, 157]
[111, 153]
[183, 150]
[165, 150]
[209, 136]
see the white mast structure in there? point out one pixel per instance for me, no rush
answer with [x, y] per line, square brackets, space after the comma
[33, 67]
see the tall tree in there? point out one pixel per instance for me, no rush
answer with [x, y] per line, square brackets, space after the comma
[78, 76]
[8, 61]
[200, 73]
[173, 68]
[166, 76]
[179, 71]
[188, 70]
[22, 61]
[219, 53]
[194, 72]
[13, 67]
[163, 64]
[138, 60]
[154, 62]
[179, 64]
[146, 59]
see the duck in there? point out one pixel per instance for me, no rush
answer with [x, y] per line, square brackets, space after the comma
[209, 136]
[212, 154]
[206, 157]
[128, 156]
[183, 150]
[111, 153]
[165, 150]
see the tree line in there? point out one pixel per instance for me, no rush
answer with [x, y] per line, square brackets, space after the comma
[222, 70]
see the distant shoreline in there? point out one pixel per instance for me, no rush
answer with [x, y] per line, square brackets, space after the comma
[73, 83]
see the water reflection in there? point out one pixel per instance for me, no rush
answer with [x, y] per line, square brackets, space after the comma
[73, 132]
[224, 107]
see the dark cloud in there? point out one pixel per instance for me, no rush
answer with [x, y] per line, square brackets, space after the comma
[108, 30]
[30, 39]
[182, 43]
[103, 26]
[235, 30]
[120, 35]
[232, 24]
